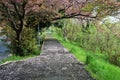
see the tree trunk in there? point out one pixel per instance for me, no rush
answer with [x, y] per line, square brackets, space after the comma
[18, 50]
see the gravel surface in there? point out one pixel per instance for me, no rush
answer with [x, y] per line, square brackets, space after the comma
[54, 63]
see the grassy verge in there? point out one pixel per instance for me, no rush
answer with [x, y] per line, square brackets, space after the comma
[102, 70]
[18, 58]
[99, 68]
[79, 53]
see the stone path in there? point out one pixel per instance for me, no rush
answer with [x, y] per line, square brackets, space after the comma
[54, 63]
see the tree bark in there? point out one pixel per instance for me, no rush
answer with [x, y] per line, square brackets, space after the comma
[18, 50]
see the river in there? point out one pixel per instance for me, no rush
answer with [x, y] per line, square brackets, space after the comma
[4, 51]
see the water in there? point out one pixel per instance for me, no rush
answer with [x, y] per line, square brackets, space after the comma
[3, 48]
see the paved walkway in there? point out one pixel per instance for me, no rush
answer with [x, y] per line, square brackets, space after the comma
[54, 63]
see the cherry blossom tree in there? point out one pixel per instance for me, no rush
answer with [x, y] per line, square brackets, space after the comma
[18, 14]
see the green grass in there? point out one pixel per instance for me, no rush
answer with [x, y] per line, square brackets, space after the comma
[79, 53]
[97, 65]
[18, 58]
[102, 70]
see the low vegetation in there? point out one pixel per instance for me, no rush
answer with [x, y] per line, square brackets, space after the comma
[18, 58]
[29, 45]
[97, 65]
[98, 48]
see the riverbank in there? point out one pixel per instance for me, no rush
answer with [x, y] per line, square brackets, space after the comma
[4, 51]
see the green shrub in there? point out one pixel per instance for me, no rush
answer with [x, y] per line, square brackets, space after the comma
[97, 64]
[102, 70]
[88, 37]
[28, 42]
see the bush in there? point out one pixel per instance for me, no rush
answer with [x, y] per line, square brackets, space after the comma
[96, 63]
[28, 43]
[99, 40]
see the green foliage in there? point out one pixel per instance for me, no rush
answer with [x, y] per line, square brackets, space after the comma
[89, 7]
[27, 43]
[59, 23]
[88, 37]
[79, 53]
[42, 35]
[101, 47]
[59, 31]
[96, 63]
[17, 58]
[97, 6]
[102, 70]
[70, 32]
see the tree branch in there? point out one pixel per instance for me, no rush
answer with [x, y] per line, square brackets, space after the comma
[16, 9]
[9, 16]
[73, 15]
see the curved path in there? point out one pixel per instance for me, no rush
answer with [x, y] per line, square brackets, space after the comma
[54, 63]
